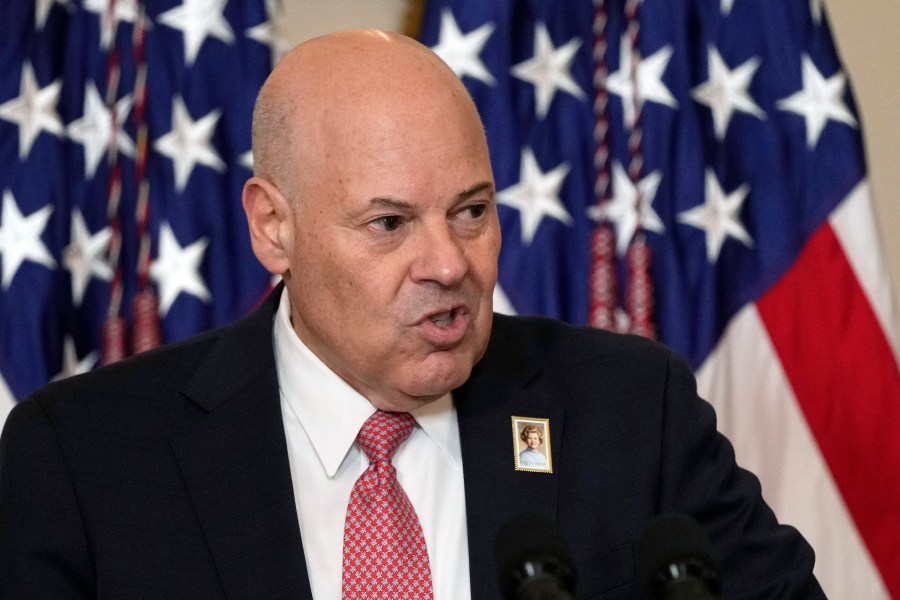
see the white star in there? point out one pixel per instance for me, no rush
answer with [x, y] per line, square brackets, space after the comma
[177, 269]
[270, 35]
[271, 32]
[820, 100]
[124, 11]
[718, 216]
[189, 143]
[461, 51]
[34, 110]
[623, 209]
[536, 195]
[20, 238]
[246, 160]
[817, 9]
[727, 6]
[94, 129]
[650, 87]
[85, 257]
[198, 19]
[726, 91]
[548, 69]
[71, 365]
[42, 11]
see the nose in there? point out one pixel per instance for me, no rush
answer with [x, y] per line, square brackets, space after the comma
[439, 256]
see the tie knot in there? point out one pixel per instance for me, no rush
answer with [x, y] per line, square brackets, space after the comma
[383, 432]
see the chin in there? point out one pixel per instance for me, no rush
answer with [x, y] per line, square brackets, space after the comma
[435, 385]
[420, 382]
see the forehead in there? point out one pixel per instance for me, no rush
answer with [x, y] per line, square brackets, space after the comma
[383, 152]
[389, 123]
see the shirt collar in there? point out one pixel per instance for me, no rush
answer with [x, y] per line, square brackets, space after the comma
[330, 411]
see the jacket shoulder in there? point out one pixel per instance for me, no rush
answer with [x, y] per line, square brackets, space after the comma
[550, 339]
[219, 359]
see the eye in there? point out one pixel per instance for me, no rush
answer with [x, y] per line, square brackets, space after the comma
[475, 211]
[387, 223]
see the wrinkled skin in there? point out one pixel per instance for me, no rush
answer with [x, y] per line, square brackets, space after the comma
[374, 199]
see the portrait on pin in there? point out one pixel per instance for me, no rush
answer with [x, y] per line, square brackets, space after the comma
[531, 443]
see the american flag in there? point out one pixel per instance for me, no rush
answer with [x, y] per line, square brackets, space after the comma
[693, 170]
[124, 143]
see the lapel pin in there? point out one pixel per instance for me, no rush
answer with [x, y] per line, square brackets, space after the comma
[531, 444]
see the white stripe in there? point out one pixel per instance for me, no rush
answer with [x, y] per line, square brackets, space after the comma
[854, 224]
[6, 401]
[758, 412]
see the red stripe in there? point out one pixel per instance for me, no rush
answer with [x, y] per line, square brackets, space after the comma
[845, 377]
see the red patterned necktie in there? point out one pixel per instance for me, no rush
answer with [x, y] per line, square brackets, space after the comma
[384, 549]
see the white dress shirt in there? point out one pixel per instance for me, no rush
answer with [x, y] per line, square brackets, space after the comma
[322, 415]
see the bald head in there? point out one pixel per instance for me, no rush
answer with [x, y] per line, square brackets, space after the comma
[373, 199]
[344, 86]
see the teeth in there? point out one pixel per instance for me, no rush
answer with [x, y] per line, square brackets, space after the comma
[443, 320]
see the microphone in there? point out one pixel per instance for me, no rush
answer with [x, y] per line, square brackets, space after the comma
[676, 560]
[534, 560]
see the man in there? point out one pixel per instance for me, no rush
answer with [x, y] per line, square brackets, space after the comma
[221, 467]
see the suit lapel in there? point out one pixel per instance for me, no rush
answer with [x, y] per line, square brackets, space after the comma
[235, 466]
[495, 491]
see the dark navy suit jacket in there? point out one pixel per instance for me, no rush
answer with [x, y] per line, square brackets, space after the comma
[167, 475]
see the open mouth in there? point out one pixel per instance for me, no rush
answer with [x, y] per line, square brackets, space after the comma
[444, 319]
[445, 328]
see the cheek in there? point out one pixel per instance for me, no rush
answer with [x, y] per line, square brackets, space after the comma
[320, 280]
[348, 284]
[483, 259]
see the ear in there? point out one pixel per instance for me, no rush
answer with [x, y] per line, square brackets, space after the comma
[270, 219]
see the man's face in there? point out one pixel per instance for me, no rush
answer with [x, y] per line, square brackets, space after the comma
[393, 257]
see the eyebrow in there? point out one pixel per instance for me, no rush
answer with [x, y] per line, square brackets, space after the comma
[387, 202]
[475, 189]
[393, 203]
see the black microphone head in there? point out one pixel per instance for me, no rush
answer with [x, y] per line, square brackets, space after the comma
[531, 549]
[674, 548]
